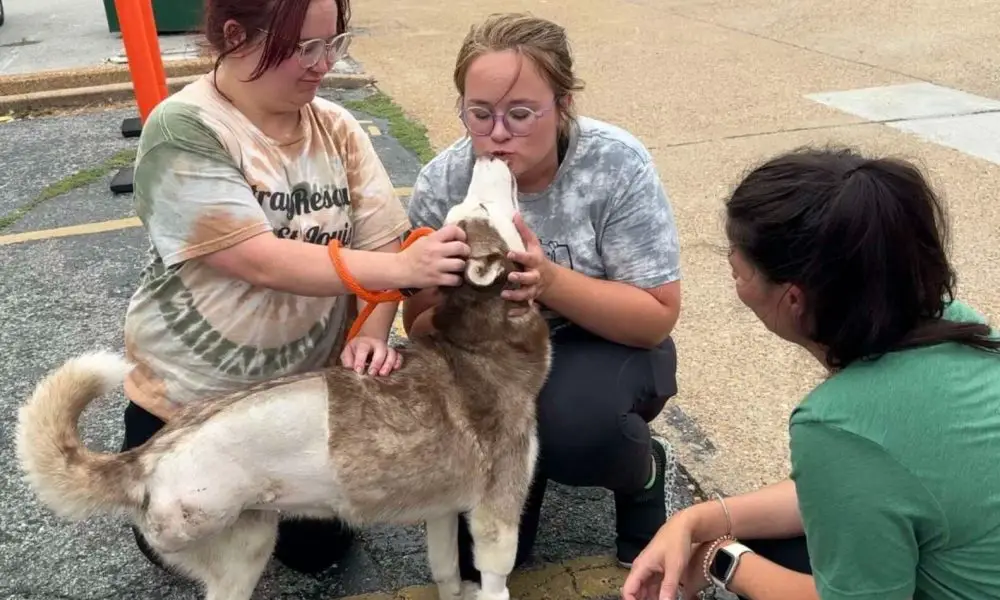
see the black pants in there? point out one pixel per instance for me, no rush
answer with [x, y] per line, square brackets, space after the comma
[593, 423]
[790, 553]
[305, 545]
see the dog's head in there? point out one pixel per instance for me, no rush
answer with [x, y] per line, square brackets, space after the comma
[487, 267]
[476, 307]
[492, 196]
[487, 217]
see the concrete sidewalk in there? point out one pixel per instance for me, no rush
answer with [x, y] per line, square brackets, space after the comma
[712, 87]
[65, 291]
[44, 69]
[42, 35]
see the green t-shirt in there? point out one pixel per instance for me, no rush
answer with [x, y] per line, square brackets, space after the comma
[897, 467]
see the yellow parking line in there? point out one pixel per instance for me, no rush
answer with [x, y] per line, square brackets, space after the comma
[100, 227]
[397, 324]
[58, 232]
[578, 579]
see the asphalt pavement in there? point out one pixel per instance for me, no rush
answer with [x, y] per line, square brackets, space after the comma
[65, 295]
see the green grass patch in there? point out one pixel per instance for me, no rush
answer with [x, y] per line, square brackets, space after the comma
[122, 158]
[411, 134]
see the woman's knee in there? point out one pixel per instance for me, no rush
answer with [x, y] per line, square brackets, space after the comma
[592, 374]
[613, 453]
[663, 371]
[310, 546]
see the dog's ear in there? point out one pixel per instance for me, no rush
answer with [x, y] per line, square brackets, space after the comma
[487, 271]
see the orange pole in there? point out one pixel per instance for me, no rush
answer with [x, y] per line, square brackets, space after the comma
[153, 39]
[142, 67]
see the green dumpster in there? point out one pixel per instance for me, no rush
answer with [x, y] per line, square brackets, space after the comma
[172, 16]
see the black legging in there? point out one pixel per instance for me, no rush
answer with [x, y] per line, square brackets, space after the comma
[593, 416]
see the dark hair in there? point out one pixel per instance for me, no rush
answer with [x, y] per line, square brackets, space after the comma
[282, 19]
[864, 238]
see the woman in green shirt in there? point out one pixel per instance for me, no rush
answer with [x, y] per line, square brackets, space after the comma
[895, 486]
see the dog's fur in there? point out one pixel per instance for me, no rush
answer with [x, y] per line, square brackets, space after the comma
[453, 431]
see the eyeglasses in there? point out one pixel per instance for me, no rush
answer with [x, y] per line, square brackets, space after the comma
[312, 51]
[518, 120]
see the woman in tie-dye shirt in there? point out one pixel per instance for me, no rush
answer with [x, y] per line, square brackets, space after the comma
[242, 180]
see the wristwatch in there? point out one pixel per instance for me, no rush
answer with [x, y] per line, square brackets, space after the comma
[724, 563]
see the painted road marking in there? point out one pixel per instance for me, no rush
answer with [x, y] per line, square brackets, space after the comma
[949, 117]
[397, 323]
[582, 578]
[83, 229]
[102, 226]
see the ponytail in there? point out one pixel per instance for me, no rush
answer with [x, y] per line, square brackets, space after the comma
[865, 240]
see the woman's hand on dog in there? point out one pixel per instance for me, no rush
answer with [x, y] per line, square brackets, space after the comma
[437, 259]
[384, 358]
[531, 282]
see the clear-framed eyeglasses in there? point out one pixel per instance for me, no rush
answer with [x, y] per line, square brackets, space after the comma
[310, 52]
[518, 120]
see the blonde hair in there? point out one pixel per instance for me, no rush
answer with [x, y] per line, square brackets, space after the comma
[541, 40]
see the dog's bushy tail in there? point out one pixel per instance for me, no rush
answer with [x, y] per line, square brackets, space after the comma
[72, 481]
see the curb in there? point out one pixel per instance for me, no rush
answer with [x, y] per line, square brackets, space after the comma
[585, 578]
[76, 96]
[105, 74]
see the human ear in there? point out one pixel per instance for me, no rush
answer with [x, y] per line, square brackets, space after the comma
[795, 300]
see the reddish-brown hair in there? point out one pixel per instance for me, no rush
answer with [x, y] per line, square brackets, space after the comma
[282, 19]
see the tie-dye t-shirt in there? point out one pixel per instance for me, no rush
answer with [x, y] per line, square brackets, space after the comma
[606, 214]
[206, 179]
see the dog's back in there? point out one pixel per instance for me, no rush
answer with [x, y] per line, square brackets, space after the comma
[451, 422]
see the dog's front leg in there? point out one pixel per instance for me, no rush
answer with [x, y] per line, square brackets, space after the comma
[494, 538]
[442, 553]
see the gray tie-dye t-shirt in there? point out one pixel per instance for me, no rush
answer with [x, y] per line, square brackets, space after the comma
[606, 214]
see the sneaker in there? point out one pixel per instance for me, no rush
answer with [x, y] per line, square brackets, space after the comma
[639, 515]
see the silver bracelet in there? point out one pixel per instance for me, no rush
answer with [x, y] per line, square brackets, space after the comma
[725, 509]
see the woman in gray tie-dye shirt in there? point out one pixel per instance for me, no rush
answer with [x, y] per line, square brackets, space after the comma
[607, 248]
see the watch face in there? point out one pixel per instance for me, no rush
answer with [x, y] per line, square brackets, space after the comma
[721, 564]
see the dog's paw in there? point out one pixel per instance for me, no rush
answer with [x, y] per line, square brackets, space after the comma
[450, 590]
[470, 590]
[482, 594]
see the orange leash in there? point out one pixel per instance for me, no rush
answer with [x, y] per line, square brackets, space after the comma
[372, 298]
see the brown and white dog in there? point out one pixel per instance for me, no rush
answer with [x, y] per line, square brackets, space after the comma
[452, 431]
